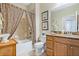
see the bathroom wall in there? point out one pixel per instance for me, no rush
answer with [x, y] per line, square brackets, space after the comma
[39, 8]
[31, 7]
[37, 17]
[45, 7]
[57, 16]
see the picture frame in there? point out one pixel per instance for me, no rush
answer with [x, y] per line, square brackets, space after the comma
[45, 15]
[45, 25]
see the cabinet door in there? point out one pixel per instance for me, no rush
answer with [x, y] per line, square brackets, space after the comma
[49, 42]
[8, 51]
[49, 52]
[60, 49]
[73, 51]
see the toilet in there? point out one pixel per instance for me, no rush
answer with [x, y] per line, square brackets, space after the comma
[39, 46]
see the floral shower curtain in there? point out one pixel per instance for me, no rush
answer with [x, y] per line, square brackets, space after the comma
[12, 16]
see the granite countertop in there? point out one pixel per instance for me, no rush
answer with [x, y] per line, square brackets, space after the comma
[64, 35]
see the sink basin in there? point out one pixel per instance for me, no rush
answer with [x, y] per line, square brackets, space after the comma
[4, 37]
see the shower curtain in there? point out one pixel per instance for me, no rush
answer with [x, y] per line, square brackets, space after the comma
[12, 16]
[4, 12]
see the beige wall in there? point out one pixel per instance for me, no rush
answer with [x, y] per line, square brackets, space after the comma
[45, 7]
[31, 7]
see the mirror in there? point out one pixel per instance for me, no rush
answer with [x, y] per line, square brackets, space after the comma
[69, 24]
[65, 18]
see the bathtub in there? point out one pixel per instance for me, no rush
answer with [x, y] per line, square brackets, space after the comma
[23, 47]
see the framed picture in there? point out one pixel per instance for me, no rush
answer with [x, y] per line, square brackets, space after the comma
[45, 25]
[44, 15]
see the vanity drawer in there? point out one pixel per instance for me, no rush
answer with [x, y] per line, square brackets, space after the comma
[49, 38]
[60, 39]
[49, 52]
[74, 42]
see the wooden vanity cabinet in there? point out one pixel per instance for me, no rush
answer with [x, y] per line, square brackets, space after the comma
[8, 49]
[61, 46]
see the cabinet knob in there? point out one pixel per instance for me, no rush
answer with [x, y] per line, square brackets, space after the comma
[65, 46]
[70, 47]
